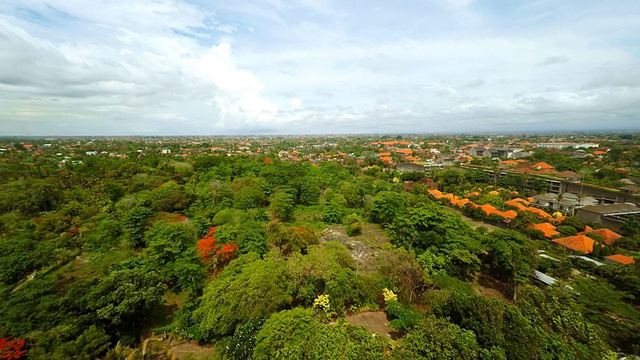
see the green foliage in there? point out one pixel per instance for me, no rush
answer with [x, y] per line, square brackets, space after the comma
[30, 196]
[509, 256]
[353, 194]
[249, 195]
[554, 310]
[21, 255]
[69, 342]
[226, 216]
[247, 289]
[386, 206]
[282, 205]
[574, 222]
[294, 334]
[603, 305]
[623, 277]
[283, 333]
[432, 264]
[429, 225]
[566, 230]
[125, 299]
[498, 325]
[243, 342]
[404, 275]
[171, 250]
[252, 238]
[403, 318]
[438, 339]
[332, 214]
[135, 224]
[169, 197]
[354, 225]
[288, 239]
[329, 269]
[454, 260]
[630, 227]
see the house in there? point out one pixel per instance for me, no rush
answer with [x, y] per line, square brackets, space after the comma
[619, 259]
[411, 167]
[607, 235]
[545, 200]
[494, 152]
[541, 166]
[579, 154]
[570, 176]
[579, 243]
[587, 259]
[509, 162]
[520, 154]
[547, 229]
[611, 215]
[556, 145]
[404, 152]
[543, 278]
[630, 189]
[476, 151]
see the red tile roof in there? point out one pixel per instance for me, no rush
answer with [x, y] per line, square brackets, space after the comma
[548, 229]
[578, 242]
[622, 259]
[608, 235]
[541, 165]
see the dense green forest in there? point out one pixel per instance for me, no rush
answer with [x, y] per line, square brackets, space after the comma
[254, 257]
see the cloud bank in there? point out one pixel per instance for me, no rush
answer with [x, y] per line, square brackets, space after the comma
[294, 67]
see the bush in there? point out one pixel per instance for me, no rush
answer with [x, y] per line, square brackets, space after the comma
[567, 230]
[331, 214]
[403, 317]
[354, 225]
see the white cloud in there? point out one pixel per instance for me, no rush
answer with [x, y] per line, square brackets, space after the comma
[172, 66]
[459, 4]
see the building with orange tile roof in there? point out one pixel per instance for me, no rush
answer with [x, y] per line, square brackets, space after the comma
[516, 204]
[493, 192]
[461, 202]
[491, 210]
[404, 151]
[547, 229]
[541, 165]
[620, 259]
[509, 162]
[609, 236]
[580, 242]
[541, 214]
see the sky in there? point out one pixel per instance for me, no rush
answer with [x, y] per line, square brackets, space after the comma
[262, 67]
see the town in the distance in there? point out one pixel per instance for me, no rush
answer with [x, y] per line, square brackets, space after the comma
[410, 246]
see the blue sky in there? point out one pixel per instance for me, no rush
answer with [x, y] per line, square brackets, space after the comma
[129, 67]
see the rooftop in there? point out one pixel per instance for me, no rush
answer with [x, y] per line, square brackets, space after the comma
[611, 209]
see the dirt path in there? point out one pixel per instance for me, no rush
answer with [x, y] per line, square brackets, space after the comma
[181, 351]
[476, 224]
[374, 321]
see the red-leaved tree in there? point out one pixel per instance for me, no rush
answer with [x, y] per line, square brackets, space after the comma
[12, 349]
[213, 253]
